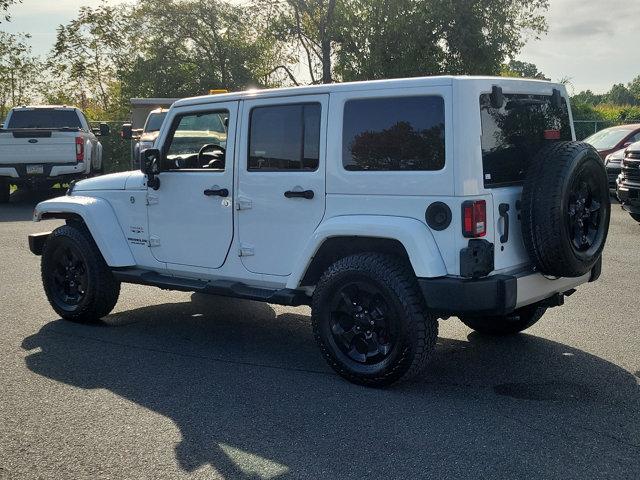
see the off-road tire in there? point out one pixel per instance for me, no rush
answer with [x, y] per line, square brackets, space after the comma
[635, 216]
[516, 322]
[102, 289]
[418, 328]
[5, 190]
[546, 198]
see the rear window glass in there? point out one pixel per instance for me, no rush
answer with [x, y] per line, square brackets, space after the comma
[390, 134]
[514, 134]
[154, 122]
[44, 118]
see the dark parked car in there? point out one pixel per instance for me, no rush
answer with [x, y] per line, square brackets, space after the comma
[629, 181]
[613, 164]
[613, 139]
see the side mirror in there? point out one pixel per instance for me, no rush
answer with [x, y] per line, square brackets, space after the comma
[151, 166]
[127, 131]
[105, 130]
[626, 144]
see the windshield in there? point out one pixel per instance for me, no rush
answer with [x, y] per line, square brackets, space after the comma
[513, 134]
[608, 138]
[154, 122]
[44, 118]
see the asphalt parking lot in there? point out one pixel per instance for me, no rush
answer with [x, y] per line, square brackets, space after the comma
[175, 385]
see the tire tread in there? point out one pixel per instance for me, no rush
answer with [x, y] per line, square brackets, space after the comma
[422, 325]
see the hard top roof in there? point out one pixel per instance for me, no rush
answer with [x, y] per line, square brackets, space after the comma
[355, 86]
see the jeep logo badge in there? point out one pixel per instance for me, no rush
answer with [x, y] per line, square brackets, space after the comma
[33, 140]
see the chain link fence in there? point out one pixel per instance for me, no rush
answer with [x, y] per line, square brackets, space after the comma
[116, 152]
[586, 128]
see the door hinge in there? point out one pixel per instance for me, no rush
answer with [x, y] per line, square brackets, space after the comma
[243, 203]
[245, 251]
[152, 199]
[154, 241]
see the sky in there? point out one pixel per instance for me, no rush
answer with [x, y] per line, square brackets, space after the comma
[593, 42]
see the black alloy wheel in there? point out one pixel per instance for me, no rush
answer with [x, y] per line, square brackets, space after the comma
[363, 326]
[584, 214]
[78, 283]
[70, 279]
[371, 320]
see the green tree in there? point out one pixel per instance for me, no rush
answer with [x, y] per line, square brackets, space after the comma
[516, 68]
[84, 62]
[4, 6]
[306, 30]
[621, 95]
[634, 87]
[385, 39]
[19, 71]
[587, 97]
[192, 46]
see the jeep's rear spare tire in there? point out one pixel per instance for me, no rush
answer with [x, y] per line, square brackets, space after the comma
[565, 209]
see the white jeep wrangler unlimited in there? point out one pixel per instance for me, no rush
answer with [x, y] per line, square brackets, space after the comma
[383, 205]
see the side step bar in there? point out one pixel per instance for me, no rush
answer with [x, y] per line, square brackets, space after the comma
[224, 288]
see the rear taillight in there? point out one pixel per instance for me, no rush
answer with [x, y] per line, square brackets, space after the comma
[79, 149]
[474, 218]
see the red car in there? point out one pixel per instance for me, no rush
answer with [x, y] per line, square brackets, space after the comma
[613, 139]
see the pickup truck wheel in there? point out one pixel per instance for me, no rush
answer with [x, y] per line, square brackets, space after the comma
[565, 209]
[516, 322]
[5, 190]
[371, 322]
[78, 283]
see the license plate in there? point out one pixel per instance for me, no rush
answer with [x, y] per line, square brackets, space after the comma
[35, 169]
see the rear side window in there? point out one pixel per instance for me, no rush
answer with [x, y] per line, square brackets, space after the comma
[393, 134]
[44, 118]
[285, 138]
[514, 134]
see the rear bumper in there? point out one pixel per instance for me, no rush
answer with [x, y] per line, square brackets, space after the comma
[497, 294]
[52, 172]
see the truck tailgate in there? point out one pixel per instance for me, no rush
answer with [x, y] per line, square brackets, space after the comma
[41, 147]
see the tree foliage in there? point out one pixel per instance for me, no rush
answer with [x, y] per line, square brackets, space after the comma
[18, 71]
[4, 7]
[519, 69]
[177, 48]
[385, 39]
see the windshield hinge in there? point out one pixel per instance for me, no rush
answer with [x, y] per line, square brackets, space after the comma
[245, 251]
[154, 241]
[243, 203]
[152, 199]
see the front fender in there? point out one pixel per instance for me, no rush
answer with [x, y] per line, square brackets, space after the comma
[415, 236]
[101, 221]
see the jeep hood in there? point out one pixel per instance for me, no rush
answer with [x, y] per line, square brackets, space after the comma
[115, 181]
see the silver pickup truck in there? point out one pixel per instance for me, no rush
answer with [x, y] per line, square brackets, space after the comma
[45, 145]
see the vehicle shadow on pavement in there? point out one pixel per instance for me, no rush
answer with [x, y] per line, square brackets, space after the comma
[22, 202]
[252, 397]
